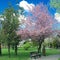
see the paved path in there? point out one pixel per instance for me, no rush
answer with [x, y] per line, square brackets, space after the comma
[51, 57]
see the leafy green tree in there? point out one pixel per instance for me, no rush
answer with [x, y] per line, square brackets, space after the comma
[1, 35]
[0, 42]
[56, 42]
[2, 38]
[10, 25]
[55, 4]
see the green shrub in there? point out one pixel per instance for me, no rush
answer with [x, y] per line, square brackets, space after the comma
[27, 45]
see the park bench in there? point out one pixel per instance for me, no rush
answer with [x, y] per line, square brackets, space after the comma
[35, 55]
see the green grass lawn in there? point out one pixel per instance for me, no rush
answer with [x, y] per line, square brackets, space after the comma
[23, 54]
[52, 51]
[59, 59]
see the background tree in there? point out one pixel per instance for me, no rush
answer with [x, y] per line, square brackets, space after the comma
[2, 36]
[0, 40]
[10, 25]
[55, 4]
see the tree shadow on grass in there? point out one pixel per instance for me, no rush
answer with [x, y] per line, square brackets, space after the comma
[20, 56]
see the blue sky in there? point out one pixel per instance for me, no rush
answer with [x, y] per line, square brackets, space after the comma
[4, 5]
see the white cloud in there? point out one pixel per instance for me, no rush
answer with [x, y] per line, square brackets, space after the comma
[21, 18]
[1, 18]
[26, 5]
[57, 17]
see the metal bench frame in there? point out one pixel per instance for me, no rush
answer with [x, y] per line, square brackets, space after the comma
[35, 55]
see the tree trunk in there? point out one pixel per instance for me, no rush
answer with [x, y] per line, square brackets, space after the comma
[41, 40]
[13, 46]
[15, 49]
[43, 51]
[0, 49]
[39, 48]
[9, 49]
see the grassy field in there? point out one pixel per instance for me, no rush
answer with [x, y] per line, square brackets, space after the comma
[52, 51]
[59, 59]
[23, 54]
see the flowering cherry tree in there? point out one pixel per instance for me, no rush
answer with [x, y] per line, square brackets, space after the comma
[38, 24]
